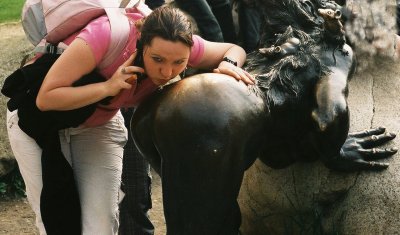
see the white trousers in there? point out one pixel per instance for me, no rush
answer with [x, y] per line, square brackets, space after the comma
[95, 155]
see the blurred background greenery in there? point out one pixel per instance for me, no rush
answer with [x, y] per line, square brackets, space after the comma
[10, 10]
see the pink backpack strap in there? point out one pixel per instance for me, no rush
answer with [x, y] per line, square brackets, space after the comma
[120, 30]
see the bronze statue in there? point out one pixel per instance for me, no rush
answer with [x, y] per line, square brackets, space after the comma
[201, 133]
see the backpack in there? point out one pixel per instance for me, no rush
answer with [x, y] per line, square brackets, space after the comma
[47, 22]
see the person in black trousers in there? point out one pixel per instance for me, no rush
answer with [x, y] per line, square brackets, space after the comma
[136, 184]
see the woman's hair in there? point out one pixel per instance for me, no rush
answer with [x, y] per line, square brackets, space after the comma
[169, 23]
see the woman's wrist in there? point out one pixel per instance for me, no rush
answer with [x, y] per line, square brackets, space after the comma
[229, 60]
[235, 55]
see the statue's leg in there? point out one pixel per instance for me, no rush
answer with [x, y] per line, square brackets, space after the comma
[205, 131]
[203, 157]
[200, 187]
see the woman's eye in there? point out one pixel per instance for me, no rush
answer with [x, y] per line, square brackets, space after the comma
[157, 59]
[179, 62]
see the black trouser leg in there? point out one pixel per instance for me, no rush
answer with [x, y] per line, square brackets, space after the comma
[153, 4]
[223, 13]
[205, 19]
[136, 184]
[250, 26]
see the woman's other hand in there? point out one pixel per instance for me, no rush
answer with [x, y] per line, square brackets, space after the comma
[236, 72]
[213, 55]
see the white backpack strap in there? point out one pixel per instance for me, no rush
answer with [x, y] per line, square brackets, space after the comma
[143, 8]
[120, 29]
[124, 3]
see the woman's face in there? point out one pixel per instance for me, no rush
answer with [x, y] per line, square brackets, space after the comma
[164, 60]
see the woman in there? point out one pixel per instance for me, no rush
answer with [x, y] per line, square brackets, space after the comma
[95, 148]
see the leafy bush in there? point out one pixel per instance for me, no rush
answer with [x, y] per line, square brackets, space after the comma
[12, 185]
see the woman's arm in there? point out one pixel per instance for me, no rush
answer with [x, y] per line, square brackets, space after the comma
[215, 52]
[57, 93]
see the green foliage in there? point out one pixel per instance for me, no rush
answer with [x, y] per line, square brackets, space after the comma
[12, 185]
[10, 10]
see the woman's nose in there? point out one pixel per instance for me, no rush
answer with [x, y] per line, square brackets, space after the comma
[166, 71]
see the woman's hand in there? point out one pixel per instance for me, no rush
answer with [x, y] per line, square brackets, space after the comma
[124, 76]
[236, 72]
[212, 59]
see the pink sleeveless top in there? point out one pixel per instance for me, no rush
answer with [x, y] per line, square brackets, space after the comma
[97, 35]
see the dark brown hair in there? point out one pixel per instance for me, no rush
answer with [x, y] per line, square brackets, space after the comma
[169, 23]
